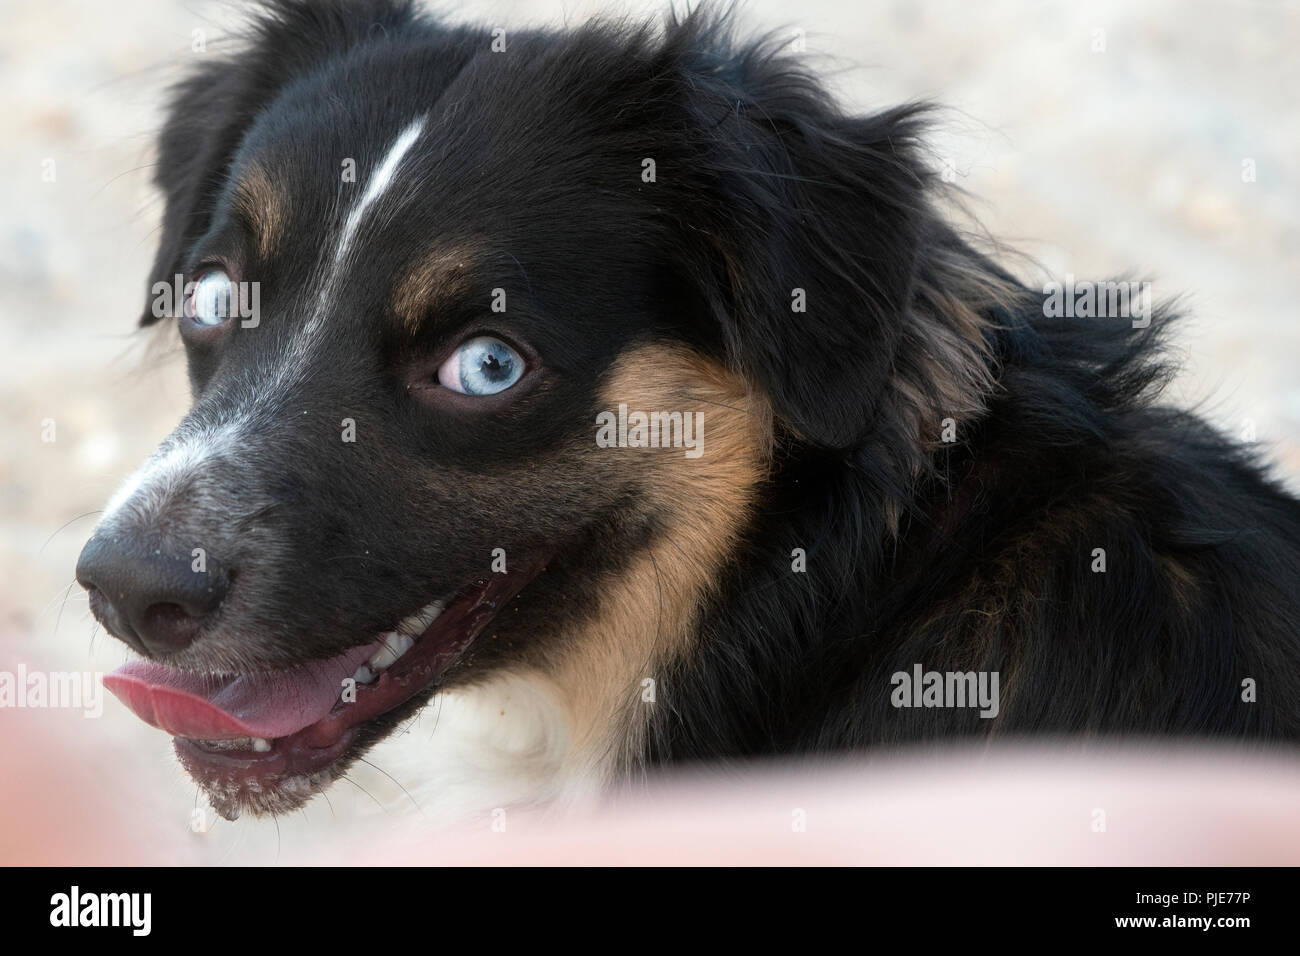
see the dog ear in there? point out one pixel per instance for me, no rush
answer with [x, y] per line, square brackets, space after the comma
[812, 226]
[212, 109]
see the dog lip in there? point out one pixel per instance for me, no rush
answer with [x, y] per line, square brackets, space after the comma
[308, 754]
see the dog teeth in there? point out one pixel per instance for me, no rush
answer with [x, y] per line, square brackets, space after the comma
[419, 622]
[397, 642]
[395, 645]
[256, 744]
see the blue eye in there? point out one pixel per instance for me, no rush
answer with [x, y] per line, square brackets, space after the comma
[481, 366]
[210, 301]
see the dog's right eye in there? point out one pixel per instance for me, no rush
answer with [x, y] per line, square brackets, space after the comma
[209, 301]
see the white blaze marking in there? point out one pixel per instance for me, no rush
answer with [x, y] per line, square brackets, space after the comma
[153, 484]
[185, 451]
[380, 180]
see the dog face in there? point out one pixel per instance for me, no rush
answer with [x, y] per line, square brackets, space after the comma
[420, 275]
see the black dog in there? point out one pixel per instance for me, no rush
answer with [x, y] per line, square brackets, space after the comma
[622, 366]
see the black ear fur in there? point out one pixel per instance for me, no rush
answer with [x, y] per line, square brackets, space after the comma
[792, 194]
[211, 109]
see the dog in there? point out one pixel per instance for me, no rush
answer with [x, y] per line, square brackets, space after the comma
[621, 374]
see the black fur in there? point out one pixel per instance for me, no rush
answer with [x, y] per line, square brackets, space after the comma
[1072, 456]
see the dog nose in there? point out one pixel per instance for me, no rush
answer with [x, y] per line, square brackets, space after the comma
[153, 601]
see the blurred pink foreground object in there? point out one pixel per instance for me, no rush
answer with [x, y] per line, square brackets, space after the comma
[1135, 805]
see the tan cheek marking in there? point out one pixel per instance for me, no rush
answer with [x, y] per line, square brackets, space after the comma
[440, 275]
[647, 613]
[266, 208]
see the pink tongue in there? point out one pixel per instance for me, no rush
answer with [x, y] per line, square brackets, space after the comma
[256, 705]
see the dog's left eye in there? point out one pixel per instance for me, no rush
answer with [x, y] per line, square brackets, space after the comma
[481, 366]
[209, 302]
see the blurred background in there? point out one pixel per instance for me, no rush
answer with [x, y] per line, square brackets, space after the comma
[1158, 140]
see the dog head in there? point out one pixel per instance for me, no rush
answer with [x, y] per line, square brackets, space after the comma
[492, 337]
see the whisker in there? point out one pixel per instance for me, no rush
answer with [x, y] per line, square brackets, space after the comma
[394, 779]
[65, 525]
[365, 791]
[62, 604]
[329, 803]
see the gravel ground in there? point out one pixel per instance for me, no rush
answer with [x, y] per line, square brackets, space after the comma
[1123, 160]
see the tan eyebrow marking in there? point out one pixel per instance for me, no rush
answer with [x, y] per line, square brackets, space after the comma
[440, 275]
[264, 206]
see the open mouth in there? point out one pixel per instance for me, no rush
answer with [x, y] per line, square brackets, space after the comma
[275, 738]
